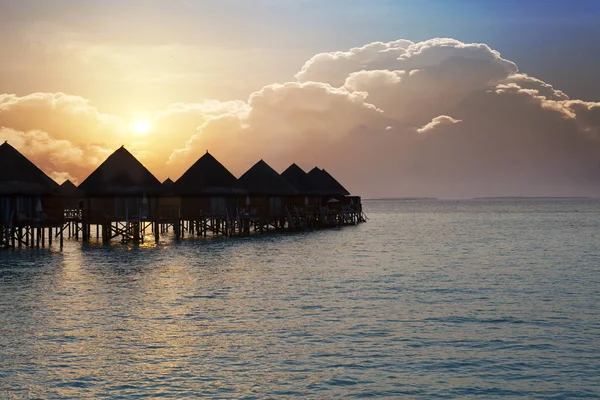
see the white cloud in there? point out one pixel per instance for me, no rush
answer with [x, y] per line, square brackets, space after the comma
[437, 121]
[436, 118]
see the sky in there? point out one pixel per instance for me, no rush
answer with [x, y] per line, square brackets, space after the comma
[394, 98]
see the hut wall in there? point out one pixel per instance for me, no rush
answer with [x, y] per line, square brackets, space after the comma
[193, 208]
[207, 206]
[21, 208]
[5, 209]
[121, 208]
[354, 202]
[71, 203]
[52, 207]
[169, 208]
[303, 203]
[266, 206]
[30, 208]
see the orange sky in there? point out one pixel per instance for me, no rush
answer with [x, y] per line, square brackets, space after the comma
[396, 117]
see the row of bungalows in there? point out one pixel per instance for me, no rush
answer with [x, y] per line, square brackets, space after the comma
[123, 190]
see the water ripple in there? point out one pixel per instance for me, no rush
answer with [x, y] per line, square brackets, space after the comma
[429, 299]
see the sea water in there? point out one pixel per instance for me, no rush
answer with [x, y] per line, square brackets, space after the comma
[428, 299]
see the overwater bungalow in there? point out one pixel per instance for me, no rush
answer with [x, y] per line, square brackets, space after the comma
[207, 195]
[120, 190]
[307, 199]
[336, 204]
[168, 202]
[267, 191]
[72, 196]
[124, 200]
[326, 185]
[208, 190]
[30, 200]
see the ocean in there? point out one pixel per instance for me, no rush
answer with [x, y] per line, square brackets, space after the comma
[496, 298]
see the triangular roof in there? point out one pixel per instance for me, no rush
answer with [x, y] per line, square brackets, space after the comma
[120, 174]
[68, 189]
[325, 184]
[261, 179]
[167, 187]
[334, 184]
[206, 177]
[296, 177]
[18, 175]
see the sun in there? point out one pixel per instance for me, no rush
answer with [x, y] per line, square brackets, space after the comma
[140, 127]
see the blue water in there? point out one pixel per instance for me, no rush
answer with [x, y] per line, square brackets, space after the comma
[429, 299]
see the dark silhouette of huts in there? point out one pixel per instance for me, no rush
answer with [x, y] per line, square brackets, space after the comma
[325, 184]
[207, 190]
[167, 184]
[27, 194]
[267, 191]
[120, 189]
[72, 196]
[332, 194]
[306, 199]
[168, 202]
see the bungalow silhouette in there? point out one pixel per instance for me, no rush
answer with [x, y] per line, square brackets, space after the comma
[267, 191]
[121, 189]
[124, 199]
[306, 200]
[72, 196]
[30, 200]
[207, 190]
[333, 196]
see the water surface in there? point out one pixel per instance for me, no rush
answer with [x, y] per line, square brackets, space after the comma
[429, 299]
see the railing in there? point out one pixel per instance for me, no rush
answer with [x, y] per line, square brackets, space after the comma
[73, 214]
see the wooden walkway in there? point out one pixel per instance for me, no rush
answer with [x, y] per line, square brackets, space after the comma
[38, 234]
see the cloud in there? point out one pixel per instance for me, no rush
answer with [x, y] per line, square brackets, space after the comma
[59, 158]
[434, 118]
[293, 121]
[437, 121]
[333, 68]
[62, 116]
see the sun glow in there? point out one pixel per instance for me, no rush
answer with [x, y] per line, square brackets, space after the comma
[140, 127]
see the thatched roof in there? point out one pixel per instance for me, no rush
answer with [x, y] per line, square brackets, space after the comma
[121, 174]
[68, 189]
[207, 177]
[335, 185]
[296, 177]
[325, 184]
[18, 175]
[261, 179]
[167, 187]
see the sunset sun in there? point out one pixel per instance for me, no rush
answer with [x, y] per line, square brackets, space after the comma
[140, 127]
